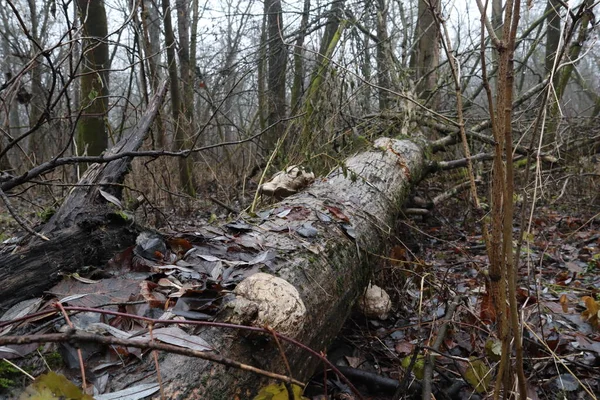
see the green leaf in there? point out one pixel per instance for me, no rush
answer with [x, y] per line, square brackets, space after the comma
[92, 94]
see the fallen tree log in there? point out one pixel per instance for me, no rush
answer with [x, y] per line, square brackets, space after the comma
[323, 239]
[324, 244]
[86, 230]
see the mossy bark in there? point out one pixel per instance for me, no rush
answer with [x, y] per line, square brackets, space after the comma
[92, 136]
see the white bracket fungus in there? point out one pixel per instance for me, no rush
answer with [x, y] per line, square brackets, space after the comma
[263, 299]
[375, 303]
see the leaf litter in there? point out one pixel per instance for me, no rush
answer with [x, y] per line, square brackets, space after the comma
[188, 275]
[430, 263]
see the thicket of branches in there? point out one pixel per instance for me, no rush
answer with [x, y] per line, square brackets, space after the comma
[310, 80]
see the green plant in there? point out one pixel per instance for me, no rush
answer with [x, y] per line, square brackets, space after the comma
[7, 375]
[46, 214]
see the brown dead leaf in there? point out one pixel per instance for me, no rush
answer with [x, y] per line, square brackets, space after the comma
[154, 299]
[179, 246]
[337, 213]
[398, 254]
[404, 348]
[487, 312]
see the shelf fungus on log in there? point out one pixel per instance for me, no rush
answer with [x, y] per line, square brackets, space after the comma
[375, 303]
[266, 300]
[287, 182]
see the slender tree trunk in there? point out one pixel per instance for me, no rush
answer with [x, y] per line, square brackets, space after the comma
[366, 73]
[553, 33]
[183, 28]
[333, 32]
[185, 173]
[298, 85]
[383, 61]
[563, 76]
[262, 76]
[277, 62]
[92, 132]
[151, 39]
[37, 98]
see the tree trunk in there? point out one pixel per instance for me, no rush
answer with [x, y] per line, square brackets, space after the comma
[92, 134]
[277, 63]
[298, 85]
[86, 230]
[383, 61]
[313, 120]
[329, 270]
[553, 34]
[185, 167]
[426, 54]
[151, 32]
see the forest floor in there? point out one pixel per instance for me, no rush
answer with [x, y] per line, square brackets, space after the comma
[441, 260]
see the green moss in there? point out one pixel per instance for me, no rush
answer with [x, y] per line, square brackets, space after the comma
[204, 380]
[46, 214]
[7, 375]
[54, 359]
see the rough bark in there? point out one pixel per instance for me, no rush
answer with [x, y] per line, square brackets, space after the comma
[277, 64]
[329, 270]
[92, 134]
[298, 85]
[553, 35]
[179, 142]
[426, 55]
[86, 230]
[150, 21]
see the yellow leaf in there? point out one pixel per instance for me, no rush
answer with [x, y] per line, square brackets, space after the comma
[564, 302]
[493, 349]
[52, 386]
[591, 314]
[278, 392]
[418, 367]
[478, 375]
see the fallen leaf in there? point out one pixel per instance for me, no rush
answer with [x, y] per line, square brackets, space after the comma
[53, 386]
[487, 312]
[132, 393]
[478, 375]
[337, 213]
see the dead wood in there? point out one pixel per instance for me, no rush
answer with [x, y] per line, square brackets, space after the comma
[86, 230]
[324, 247]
